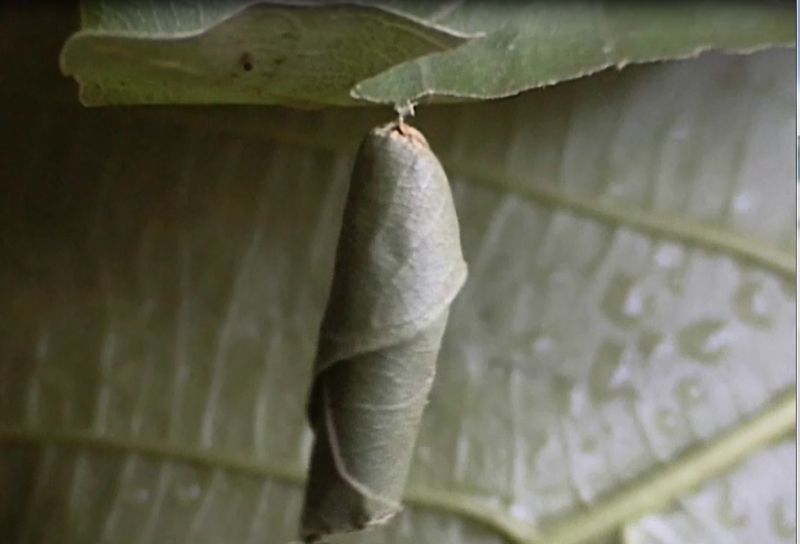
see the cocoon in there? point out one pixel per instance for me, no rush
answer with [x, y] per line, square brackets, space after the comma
[398, 268]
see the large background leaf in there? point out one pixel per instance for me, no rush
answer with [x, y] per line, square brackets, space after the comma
[179, 52]
[630, 238]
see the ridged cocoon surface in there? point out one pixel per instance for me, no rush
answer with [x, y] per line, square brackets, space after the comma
[398, 268]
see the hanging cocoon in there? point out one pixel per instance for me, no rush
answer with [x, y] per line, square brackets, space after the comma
[398, 268]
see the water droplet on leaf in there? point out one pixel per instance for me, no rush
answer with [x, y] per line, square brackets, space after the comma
[668, 256]
[544, 345]
[188, 492]
[610, 374]
[141, 496]
[689, 392]
[752, 305]
[706, 341]
[742, 202]
[647, 343]
[623, 301]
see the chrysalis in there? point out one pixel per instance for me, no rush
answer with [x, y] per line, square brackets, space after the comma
[398, 268]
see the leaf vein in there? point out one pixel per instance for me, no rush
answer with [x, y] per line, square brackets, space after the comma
[650, 493]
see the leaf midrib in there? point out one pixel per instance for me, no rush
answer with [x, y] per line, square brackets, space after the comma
[647, 494]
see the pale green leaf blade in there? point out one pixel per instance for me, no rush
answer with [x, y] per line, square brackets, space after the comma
[239, 51]
[530, 44]
[630, 237]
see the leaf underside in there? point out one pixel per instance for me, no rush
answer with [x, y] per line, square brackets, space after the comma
[240, 52]
[629, 236]
[392, 51]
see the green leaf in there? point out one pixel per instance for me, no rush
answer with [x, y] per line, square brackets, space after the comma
[630, 310]
[239, 51]
[392, 51]
[530, 44]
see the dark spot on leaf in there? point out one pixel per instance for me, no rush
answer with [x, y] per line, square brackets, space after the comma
[246, 62]
[279, 60]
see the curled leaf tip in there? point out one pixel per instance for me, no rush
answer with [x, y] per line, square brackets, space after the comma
[398, 268]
